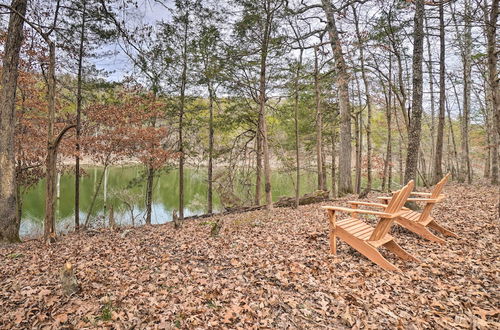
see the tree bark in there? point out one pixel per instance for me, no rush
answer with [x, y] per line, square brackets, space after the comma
[9, 222]
[438, 159]
[342, 82]
[388, 113]
[430, 68]
[296, 123]
[258, 170]
[467, 68]
[181, 119]
[416, 113]
[262, 109]
[210, 147]
[79, 116]
[150, 179]
[491, 35]
[50, 163]
[319, 122]
[368, 105]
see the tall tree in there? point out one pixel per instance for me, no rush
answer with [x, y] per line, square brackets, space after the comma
[438, 156]
[416, 106]
[210, 60]
[342, 82]
[9, 222]
[491, 19]
[260, 41]
[367, 90]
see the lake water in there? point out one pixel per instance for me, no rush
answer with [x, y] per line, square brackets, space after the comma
[124, 188]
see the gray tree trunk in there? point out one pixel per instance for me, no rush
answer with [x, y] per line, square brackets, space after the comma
[438, 159]
[9, 221]
[342, 82]
[416, 111]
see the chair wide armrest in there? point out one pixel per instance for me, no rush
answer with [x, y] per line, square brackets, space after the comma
[427, 200]
[380, 205]
[417, 193]
[348, 210]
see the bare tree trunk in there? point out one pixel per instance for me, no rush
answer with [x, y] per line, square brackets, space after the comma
[49, 225]
[296, 123]
[400, 153]
[210, 148]
[491, 36]
[319, 123]
[9, 221]
[150, 179]
[262, 110]
[368, 105]
[416, 112]
[79, 116]
[258, 180]
[181, 120]
[430, 68]
[452, 133]
[388, 114]
[438, 159]
[149, 194]
[342, 82]
[467, 68]
[334, 153]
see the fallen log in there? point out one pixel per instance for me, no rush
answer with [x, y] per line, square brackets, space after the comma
[311, 198]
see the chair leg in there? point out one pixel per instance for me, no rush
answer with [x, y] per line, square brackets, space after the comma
[374, 255]
[398, 250]
[333, 241]
[442, 230]
[420, 230]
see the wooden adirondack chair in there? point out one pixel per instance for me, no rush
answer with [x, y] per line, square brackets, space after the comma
[418, 222]
[366, 239]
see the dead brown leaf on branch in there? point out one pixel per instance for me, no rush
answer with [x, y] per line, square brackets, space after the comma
[263, 269]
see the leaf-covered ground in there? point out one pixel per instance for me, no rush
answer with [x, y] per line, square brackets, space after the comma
[265, 270]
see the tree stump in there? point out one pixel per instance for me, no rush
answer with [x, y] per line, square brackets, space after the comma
[69, 282]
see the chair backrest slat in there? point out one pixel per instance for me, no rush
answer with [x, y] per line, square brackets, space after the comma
[438, 188]
[396, 203]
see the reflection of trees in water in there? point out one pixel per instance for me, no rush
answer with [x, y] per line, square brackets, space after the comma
[126, 193]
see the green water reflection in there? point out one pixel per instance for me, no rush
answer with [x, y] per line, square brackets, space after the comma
[125, 190]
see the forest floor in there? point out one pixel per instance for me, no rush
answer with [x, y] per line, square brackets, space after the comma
[266, 269]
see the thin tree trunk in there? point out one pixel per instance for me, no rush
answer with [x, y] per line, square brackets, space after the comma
[467, 68]
[358, 139]
[258, 170]
[9, 221]
[96, 192]
[388, 113]
[342, 82]
[296, 123]
[430, 68]
[181, 120]
[452, 133]
[438, 159]
[334, 153]
[416, 112]
[150, 178]
[319, 122]
[400, 158]
[210, 148]
[262, 111]
[50, 185]
[491, 36]
[369, 107]
[79, 116]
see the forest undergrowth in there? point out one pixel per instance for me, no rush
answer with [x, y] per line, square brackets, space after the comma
[265, 269]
